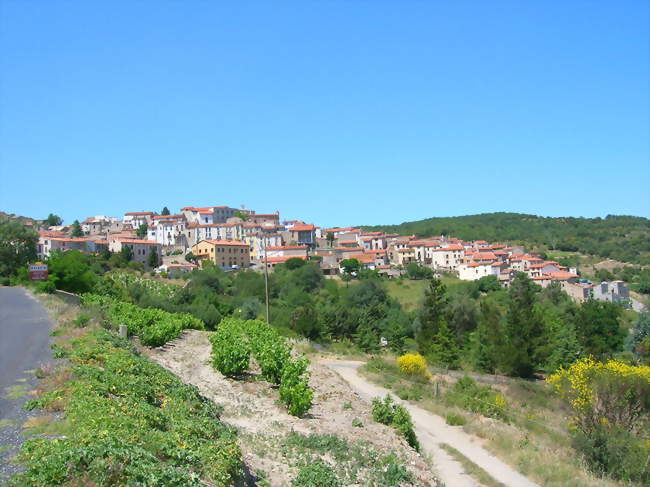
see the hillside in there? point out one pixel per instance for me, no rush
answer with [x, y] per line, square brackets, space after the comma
[624, 238]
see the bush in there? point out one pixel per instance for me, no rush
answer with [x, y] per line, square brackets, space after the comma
[467, 394]
[81, 321]
[45, 287]
[294, 387]
[454, 419]
[611, 405]
[235, 340]
[316, 474]
[412, 364]
[230, 352]
[155, 327]
[397, 416]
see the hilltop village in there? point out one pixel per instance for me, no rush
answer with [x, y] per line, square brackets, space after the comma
[234, 238]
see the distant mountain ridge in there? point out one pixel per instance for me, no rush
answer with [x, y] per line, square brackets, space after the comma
[620, 237]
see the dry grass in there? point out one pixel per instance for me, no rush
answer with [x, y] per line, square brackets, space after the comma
[536, 442]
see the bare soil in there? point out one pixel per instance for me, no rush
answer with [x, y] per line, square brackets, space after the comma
[264, 425]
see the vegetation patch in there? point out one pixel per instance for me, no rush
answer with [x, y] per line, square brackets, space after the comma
[154, 327]
[349, 462]
[386, 412]
[235, 340]
[127, 422]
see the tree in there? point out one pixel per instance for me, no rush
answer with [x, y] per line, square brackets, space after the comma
[17, 247]
[76, 230]
[444, 350]
[165, 211]
[598, 326]
[639, 340]
[350, 266]
[53, 220]
[294, 263]
[431, 316]
[524, 330]
[71, 271]
[190, 257]
[141, 232]
[487, 342]
[126, 253]
[243, 215]
[330, 238]
[153, 259]
[463, 315]
[417, 271]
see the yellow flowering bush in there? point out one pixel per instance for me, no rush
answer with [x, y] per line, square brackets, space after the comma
[613, 390]
[610, 423]
[412, 364]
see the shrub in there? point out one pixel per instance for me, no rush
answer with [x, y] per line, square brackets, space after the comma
[45, 287]
[230, 351]
[454, 419]
[155, 327]
[357, 423]
[81, 321]
[397, 416]
[469, 395]
[235, 340]
[316, 474]
[412, 364]
[294, 388]
[611, 405]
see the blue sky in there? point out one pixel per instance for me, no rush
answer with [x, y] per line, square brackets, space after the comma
[336, 112]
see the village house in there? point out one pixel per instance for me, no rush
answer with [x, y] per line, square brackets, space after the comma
[168, 230]
[141, 250]
[135, 219]
[223, 253]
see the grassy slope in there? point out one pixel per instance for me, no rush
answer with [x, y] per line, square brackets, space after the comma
[535, 441]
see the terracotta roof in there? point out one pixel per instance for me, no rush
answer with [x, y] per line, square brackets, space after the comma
[562, 276]
[138, 213]
[233, 243]
[168, 217]
[139, 242]
[349, 249]
[284, 258]
[302, 228]
[287, 247]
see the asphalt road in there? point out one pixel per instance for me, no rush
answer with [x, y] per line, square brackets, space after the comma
[24, 346]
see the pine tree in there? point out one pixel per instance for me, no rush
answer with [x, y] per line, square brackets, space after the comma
[431, 315]
[153, 259]
[488, 339]
[524, 329]
[76, 229]
[444, 350]
[165, 211]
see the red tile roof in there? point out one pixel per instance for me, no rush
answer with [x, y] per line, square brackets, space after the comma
[138, 213]
[232, 243]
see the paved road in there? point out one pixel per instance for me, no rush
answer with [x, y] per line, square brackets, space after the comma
[24, 346]
[432, 431]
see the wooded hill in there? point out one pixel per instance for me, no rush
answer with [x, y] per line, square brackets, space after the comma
[623, 238]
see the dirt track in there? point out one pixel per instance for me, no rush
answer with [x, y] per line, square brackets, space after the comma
[432, 431]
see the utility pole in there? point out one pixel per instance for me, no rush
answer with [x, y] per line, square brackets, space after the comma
[266, 280]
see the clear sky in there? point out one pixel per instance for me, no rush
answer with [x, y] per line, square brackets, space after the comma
[335, 112]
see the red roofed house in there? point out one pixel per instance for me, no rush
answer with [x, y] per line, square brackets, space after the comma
[141, 250]
[223, 253]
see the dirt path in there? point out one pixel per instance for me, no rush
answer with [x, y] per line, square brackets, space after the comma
[432, 431]
[264, 425]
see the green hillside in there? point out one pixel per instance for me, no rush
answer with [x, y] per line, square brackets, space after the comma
[624, 238]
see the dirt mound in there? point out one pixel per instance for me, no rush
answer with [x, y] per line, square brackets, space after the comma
[276, 444]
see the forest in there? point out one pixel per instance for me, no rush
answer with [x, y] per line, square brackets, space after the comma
[623, 238]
